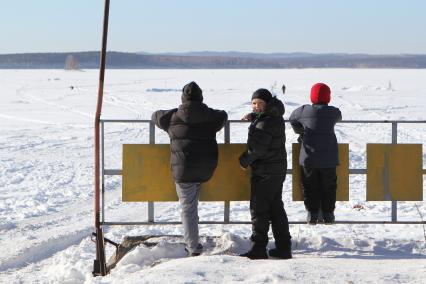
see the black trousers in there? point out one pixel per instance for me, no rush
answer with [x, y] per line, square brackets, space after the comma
[266, 207]
[319, 189]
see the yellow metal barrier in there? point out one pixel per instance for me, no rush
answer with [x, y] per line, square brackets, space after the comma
[342, 172]
[147, 175]
[394, 172]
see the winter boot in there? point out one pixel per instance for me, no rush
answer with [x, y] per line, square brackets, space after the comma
[328, 218]
[281, 254]
[312, 218]
[281, 251]
[197, 251]
[256, 253]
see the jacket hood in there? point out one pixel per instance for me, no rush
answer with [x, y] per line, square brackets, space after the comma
[275, 107]
[193, 112]
[192, 92]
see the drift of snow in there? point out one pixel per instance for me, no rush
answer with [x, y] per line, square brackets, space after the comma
[46, 180]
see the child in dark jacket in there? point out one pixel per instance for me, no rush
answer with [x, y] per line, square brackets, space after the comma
[192, 130]
[319, 153]
[267, 157]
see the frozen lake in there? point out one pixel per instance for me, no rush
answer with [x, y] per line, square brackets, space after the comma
[46, 180]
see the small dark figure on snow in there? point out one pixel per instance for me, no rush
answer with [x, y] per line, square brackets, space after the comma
[267, 157]
[319, 153]
[283, 89]
[192, 130]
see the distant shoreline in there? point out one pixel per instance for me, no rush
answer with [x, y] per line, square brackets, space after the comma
[210, 60]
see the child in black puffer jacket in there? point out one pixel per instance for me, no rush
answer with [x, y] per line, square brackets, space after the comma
[267, 157]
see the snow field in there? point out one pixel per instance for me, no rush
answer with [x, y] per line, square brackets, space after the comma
[46, 179]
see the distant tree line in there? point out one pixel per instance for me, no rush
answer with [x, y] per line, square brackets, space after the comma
[90, 60]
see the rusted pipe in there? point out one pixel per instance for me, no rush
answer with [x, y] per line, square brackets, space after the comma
[98, 114]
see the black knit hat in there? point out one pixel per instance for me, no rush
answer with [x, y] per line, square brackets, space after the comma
[192, 92]
[262, 94]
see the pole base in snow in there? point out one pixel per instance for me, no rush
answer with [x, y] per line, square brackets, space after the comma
[99, 264]
[96, 268]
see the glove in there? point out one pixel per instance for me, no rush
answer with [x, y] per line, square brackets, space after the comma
[243, 161]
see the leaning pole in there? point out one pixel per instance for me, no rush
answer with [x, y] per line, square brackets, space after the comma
[99, 265]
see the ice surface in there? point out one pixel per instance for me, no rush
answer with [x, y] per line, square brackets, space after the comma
[46, 178]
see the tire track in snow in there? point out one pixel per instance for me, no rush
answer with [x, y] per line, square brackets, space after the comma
[14, 118]
[58, 106]
[23, 93]
[119, 103]
[45, 249]
[41, 237]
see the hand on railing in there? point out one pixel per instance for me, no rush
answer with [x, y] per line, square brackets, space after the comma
[247, 117]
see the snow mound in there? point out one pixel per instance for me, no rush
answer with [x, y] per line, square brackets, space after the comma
[161, 90]
[363, 88]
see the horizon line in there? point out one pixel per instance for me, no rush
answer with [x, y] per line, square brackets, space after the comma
[222, 52]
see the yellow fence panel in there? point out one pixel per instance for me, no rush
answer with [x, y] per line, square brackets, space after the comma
[394, 172]
[342, 172]
[229, 182]
[147, 175]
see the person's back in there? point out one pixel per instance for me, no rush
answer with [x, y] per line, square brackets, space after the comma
[316, 123]
[192, 130]
[194, 148]
[319, 153]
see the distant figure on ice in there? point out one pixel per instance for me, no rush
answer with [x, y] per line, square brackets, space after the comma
[192, 130]
[283, 89]
[267, 157]
[319, 153]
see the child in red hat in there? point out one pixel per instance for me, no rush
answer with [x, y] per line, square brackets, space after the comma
[319, 153]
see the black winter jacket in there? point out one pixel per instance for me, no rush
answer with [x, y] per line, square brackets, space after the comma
[266, 152]
[192, 130]
[315, 123]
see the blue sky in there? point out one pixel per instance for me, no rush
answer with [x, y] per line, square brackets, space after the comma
[362, 26]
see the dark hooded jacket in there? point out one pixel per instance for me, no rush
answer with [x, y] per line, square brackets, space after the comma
[192, 130]
[266, 152]
[315, 124]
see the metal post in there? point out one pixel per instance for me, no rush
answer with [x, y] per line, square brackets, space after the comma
[227, 132]
[99, 264]
[394, 141]
[151, 141]
[394, 132]
[151, 211]
[227, 208]
[103, 171]
[227, 204]
[151, 132]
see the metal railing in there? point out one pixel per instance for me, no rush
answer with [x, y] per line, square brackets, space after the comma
[227, 138]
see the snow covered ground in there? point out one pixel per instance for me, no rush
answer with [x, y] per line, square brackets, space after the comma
[46, 179]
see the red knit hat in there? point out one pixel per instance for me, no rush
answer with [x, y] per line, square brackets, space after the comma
[320, 93]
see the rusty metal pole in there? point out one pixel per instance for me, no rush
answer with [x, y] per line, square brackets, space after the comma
[99, 267]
